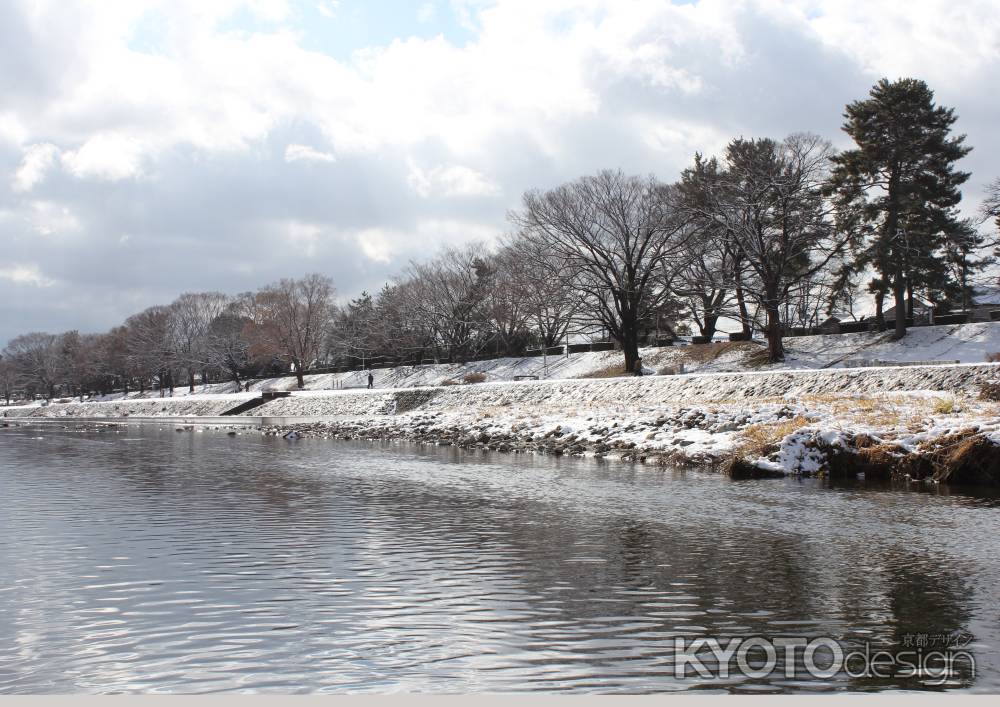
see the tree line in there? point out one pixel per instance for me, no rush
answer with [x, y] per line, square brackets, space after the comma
[770, 234]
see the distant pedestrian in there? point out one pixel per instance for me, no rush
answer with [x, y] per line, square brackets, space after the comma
[638, 367]
[371, 380]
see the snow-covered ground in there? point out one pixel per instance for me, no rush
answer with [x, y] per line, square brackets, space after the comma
[779, 436]
[778, 421]
[966, 343]
[786, 419]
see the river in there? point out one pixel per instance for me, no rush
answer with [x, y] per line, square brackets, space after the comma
[147, 560]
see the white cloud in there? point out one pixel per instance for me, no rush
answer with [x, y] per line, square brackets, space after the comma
[376, 244]
[385, 245]
[328, 8]
[305, 237]
[305, 153]
[25, 275]
[938, 40]
[425, 12]
[37, 161]
[48, 218]
[178, 118]
[450, 180]
[110, 156]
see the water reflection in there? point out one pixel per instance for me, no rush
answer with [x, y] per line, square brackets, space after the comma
[168, 561]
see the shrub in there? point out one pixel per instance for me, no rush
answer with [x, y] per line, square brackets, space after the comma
[448, 381]
[616, 370]
[993, 357]
[944, 406]
[475, 377]
[990, 391]
[761, 439]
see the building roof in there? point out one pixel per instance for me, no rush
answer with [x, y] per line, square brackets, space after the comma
[986, 296]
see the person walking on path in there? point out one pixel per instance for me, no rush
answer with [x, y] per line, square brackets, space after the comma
[371, 380]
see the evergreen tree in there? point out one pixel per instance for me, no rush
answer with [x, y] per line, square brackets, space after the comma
[991, 207]
[901, 183]
[960, 254]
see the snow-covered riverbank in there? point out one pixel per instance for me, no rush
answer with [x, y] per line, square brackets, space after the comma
[964, 343]
[771, 422]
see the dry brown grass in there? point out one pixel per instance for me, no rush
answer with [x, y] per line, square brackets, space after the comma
[880, 412]
[757, 359]
[475, 377]
[703, 353]
[990, 392]
[616, 370]
[993, 357]
[761, 439]
[944, 406]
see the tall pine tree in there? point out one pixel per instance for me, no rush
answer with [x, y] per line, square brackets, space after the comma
[902, 184]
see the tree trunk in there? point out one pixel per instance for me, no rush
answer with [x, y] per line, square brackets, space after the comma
[707, 327]
[741, 301]
[899, 295]
[190, 380]
[775, 348]
[879, 315]
[630, 347]
[891, 234]
[909, 299]
[629, 341]
[298, 376]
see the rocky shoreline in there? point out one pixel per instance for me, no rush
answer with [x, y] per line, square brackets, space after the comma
[926, 424]
[686, 436]
[808, 438]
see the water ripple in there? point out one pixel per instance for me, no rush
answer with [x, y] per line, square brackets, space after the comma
[201, 563]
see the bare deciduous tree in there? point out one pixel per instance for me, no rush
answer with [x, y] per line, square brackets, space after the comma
[991, 205]
[543, 284]
[227, 350]
[448, 298]
[291, 319]
[150, 352]
[618, 236]
[8, 379]
[772, 208]
[191, 317]
[36, 362]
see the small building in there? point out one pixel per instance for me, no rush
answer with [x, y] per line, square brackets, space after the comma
[830, 325]
[843, 323]
[985, 305]
[923, 313]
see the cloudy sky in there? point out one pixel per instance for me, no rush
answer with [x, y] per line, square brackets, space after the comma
[152, 147]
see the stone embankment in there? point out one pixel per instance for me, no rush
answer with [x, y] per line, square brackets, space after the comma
[637, 393]
[616, 393]
[879, 421]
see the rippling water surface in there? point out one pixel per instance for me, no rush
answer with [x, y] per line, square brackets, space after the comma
[161, 561]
